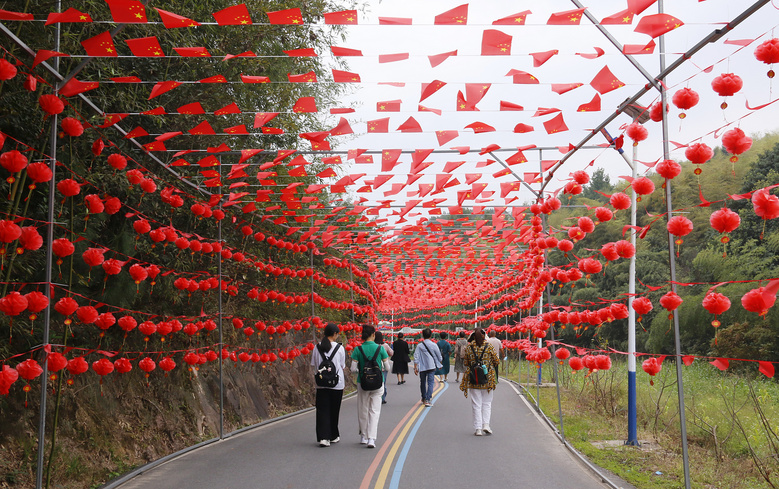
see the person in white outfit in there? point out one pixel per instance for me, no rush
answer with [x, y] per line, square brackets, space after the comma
[480, 351]
[368, 401]
[328, 399]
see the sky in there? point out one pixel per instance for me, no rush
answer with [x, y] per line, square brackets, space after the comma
[423, 39]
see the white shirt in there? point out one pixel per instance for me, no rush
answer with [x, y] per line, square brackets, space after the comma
[496, 345]
[339, 360]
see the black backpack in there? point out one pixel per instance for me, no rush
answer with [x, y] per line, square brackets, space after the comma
[478, 371]
[370, 375]
[326, 374]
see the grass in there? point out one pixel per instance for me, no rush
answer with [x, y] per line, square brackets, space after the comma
[732, 437]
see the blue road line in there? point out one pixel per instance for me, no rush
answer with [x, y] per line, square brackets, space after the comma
[396, 473]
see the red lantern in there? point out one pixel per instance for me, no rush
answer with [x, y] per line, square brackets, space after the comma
[97, 147]
[31, 83]
[562, 354]
[679, 226]
[39, 172]
[30, 239]
[148, 185]
[725, 85]
[62, 247]
[147, 365]
[87, 314]
[66, 306]
[7, 70]
[123, 365]
[652, 366]
[94, 204]
[716, 304]
[72, 127]
[758, 300]
[68, 187]
[768, 53]
[117, 161]
[671, 301]
[586, 224]
[642, 186]
[29, 369]
[575, 363]
[105, 321]
[642, 305]
[572, 188]
[13, 304]
[13, 161]
[609, 251]
[103, 367]
[9, 231]
[724, 221]
[8, 376]
[656, 111]
[637, 132]
[93, 256]
[581, 177]
[620, 201]
[669, 169]
[685, 99]
[698, 153]
[127, 323]
[134, 177]
[112, 205]
[736, 142]
[603, 214]
[55, 361]
[167, 364]
[51, 104]
[765, 206]
[36, 302]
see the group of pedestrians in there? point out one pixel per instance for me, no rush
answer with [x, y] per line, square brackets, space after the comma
[476, 358]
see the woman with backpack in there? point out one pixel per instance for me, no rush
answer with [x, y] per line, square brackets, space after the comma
[479, 380]
[329, 360]
[370, 386]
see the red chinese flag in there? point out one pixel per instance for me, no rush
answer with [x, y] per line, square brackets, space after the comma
[345, 51]
[290, 16]
[480, 127]
[541, 58]
[100, 45]
[495, 43]
[45, 54]
[214, 79]
[127, 11]
[391, 58]
[437, 59]
[301, 53]
[198, 52]
[411, 125]
[305, 104]
[254, 79]
[345, 77]
[429, 89]
[193, 108]
[462, 104]
[394, 21]
[175, 21]
[569, 17]
[202, 129]
[561, 88]
[591, 106]
[70, 15]
[523, 78]
[657, 24]
[235, 15]
[309, 77]
[474, 92]
[605, 81]
[445, 136]
[145, 47]
[74, 87]
[388, 106]
[555, 124]
[344, 17]
[456, 16]
[379, 125]
[504, 105]
[634, 49]
[767, 369]
[162, 87]
[516, 19]
[389, 158]
[228, 109]
[262, 118]
[638, 6]
[10, 15]
[625, 17]
[341, 128]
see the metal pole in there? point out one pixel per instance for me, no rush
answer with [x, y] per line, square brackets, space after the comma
[632, 411]
[221, 331]
[672, 260]
[49, 263]
[541, 300]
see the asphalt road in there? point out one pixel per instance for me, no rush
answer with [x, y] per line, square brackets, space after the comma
[417, 448]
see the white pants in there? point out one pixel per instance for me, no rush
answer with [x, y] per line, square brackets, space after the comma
[368, 411]
[481, 406]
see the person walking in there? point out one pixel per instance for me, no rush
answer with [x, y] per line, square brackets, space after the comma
[446, 349]
[400, 358]
[459, 355]
[328, 399]
[368, 400]
[497, 345]
[479, 351]
[427, 358]
[380, 341]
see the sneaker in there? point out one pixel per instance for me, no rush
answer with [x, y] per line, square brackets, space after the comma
[478, 433]
[324, 443]
[336, 439]
[428, 404]
[371, 443]
[363, 440]
[487, 429]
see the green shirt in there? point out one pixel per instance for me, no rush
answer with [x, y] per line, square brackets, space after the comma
[369, 347]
